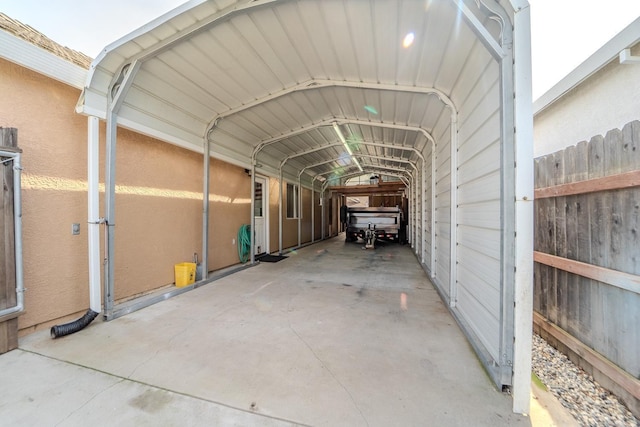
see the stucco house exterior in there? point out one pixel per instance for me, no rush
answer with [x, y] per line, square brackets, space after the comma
[41, 82]
[601, 94]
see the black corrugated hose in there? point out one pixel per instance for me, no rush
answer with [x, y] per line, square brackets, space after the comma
[75, 326]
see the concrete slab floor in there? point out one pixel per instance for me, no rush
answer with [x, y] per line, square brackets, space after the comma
[333, 335]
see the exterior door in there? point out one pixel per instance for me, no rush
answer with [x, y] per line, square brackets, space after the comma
[260, 216]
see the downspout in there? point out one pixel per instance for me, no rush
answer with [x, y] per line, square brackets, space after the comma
[93, 170]
[17, 226]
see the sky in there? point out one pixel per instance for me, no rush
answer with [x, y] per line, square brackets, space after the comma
[564, 32]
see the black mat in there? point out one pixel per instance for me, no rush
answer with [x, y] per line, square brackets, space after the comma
[271, 258]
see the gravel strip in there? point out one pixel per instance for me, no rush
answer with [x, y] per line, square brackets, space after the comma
[589, 403]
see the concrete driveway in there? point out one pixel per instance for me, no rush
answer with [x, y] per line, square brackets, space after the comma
[333, 335]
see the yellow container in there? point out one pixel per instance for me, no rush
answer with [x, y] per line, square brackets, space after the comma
[185, 274]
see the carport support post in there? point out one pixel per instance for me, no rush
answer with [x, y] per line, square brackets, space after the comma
[414, 183]
[253, 212]
[424, 209]
[410, 215]
[523, 297]
[300, 209]
[109, 204]
[432, 267]
[205, 208]
[280, 213]
[453, 239]
[322, 214]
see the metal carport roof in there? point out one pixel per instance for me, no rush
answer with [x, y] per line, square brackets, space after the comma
[277, 84]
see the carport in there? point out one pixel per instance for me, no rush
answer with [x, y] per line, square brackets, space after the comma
[435, 92]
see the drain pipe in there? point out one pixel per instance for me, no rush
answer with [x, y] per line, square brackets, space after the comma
[93, 233]
[17, 224]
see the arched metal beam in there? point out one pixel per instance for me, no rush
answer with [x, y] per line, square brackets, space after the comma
[320, 84]
[367, 143]
[328, 122]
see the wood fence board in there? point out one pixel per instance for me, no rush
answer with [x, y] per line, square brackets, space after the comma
[613, 299]
[572, 309]
[613, 152]
[597, 211]
[613, 182]
[612, 278]
[631, 146]
[538, 294]
[583, 251]
[560, 233]
[625, 248]
[546, 231]
[8, 328]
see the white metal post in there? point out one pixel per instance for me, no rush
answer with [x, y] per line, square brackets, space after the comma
[523, 295]
[93, 212]
[313, 210]
[453, 239]
[253, 213]
[280, 213]
[110, 198]
[299, 204]
[205, 208]
[423, 235]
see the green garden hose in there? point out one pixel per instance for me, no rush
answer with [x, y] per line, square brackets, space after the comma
[244, 242]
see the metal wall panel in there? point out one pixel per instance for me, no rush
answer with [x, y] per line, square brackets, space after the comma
[479, 238]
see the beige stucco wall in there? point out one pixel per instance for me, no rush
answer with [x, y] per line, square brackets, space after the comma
[53, 140]
[158, 202]
[607, 100]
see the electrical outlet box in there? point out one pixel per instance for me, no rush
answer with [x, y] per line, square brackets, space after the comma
[75, 229]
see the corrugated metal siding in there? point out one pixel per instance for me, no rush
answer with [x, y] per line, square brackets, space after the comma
[479, 207]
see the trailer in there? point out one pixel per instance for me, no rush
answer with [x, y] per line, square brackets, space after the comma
[371, 224]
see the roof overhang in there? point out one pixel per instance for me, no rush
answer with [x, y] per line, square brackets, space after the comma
[611, 51]
[26, 54]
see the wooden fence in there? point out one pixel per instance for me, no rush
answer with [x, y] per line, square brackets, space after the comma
[8, 327]
[587, 252]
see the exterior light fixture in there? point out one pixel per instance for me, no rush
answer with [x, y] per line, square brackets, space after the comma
[336, 128]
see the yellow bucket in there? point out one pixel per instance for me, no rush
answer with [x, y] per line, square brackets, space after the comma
[185, 274]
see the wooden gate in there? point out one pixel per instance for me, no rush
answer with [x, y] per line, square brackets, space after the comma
[8, 326]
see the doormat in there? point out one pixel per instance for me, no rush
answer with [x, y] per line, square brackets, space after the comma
[271, 258]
